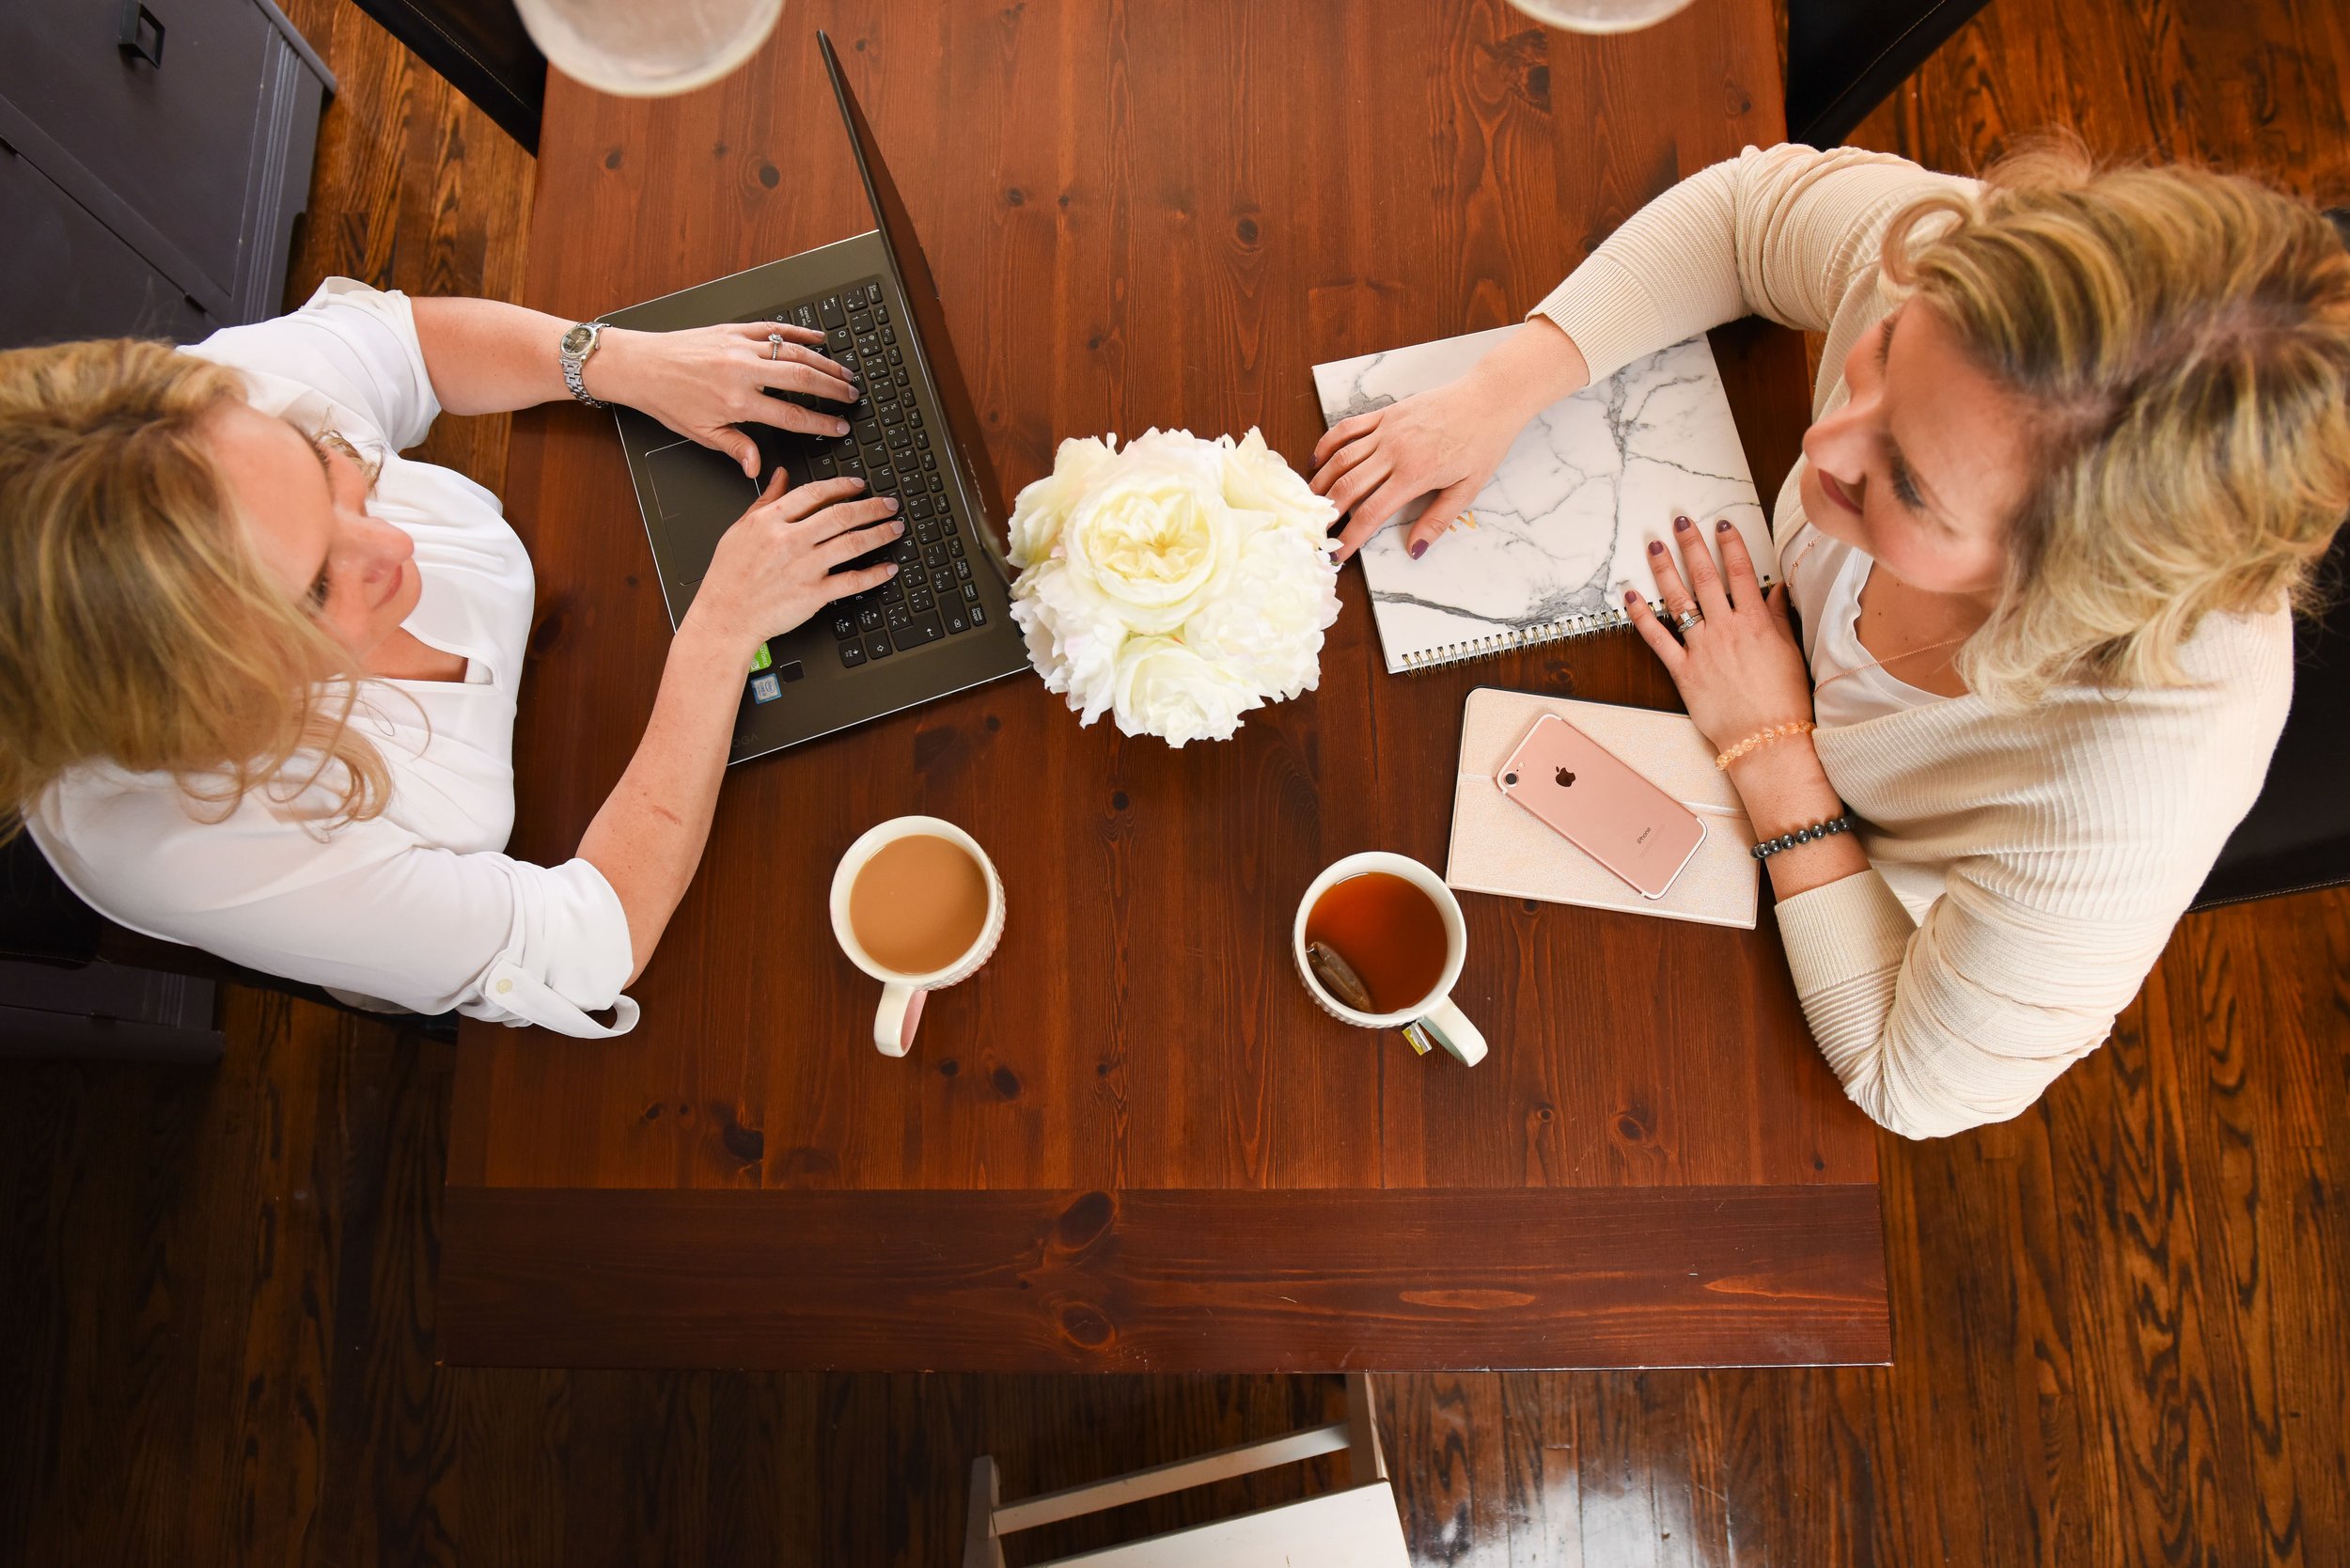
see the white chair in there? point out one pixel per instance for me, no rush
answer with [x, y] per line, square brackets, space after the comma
[1357, 1527]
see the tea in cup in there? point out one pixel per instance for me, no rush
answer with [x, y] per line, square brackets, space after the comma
[1379, 941]
[917, 905]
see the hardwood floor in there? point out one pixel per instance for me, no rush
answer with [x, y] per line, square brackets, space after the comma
[2119, 1319]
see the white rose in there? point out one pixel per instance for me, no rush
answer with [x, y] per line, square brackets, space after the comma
[1257, 479]
[1042, 509]
[1166, 689]
[1266, 627]
[1072, 640]
[1149, 536]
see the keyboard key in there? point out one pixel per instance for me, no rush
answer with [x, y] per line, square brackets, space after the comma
[881, 313]
[896, 616]
[881, 478]
[954, 542]
[868, 620]
[918, 506]
[868, 430]
[866, 342]
[962, 571]
[889, 334]
[843, 627]
[892, 592]
[877, 646]
[924, 630]
[904, 551]
[805, 316]
[926, 531]
[887, 391]
[859, 322]
[918, 600]
[852, 654]
[913, 414]
[938, 481]
[956, 620]
[970, 590]
[823, 468]
[897, 437]
[838, 341]
[829, 311]
[933, 555]
[896, 357]
[978, 615]
[922, 440]
[892, 414]
[901, 376]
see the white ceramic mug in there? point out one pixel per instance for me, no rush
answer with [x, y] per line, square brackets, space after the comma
[1434, 1013]
[901, 994]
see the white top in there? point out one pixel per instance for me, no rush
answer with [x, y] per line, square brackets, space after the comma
[1825, 577]
[2069, 835]
[417, 908]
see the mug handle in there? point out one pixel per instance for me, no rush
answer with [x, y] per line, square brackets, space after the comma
[894, 1024]
[1454, 1032]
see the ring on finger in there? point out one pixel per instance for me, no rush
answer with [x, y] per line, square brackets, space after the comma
[774, 345]
[1687, 619]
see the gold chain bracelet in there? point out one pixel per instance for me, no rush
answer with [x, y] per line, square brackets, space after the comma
[1763, 737]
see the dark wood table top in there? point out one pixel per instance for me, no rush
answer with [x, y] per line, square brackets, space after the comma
[1133, 1142]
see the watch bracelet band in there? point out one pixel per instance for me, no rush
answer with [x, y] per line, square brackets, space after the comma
[572, 363]
[1768, 847]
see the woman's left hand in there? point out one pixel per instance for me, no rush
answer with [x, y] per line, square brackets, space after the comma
[702, 381]
[1740, 668]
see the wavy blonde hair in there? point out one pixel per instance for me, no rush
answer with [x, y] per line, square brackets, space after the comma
[2180, 341]
[137, 625]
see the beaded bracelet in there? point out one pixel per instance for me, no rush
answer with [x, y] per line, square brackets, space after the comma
[1769, 847]
[1763, 737]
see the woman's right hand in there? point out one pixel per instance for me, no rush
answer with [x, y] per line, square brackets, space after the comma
[773, 567]
[1445, 441]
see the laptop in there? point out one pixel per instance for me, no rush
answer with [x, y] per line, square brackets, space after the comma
[944, 624]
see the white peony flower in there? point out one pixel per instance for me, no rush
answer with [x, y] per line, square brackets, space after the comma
[1179, 582]
[1166, 689]
[1042, 507]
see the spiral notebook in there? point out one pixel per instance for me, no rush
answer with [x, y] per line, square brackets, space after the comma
[1500, 847]
[1564, 529]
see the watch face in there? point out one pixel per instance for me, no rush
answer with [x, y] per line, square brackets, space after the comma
[576, 340]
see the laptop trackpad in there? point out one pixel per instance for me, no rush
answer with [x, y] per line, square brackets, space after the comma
[694, 483]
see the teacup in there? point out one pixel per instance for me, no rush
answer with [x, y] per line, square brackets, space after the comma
[902, 994]
[1433, 1014]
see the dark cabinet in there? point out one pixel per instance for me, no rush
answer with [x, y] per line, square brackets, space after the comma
[153, 157]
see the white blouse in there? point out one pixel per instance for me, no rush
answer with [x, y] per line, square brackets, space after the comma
[1825, 577]
[417, 908]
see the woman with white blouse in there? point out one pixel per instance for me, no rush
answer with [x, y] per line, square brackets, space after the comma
[2078, 438]
[258, 670]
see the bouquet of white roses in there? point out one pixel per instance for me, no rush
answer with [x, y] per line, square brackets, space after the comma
[1176, 583]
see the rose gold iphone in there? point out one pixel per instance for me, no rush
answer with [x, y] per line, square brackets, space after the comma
[1599, 805]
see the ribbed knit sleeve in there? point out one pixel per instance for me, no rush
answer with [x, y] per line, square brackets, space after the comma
[1779, 232]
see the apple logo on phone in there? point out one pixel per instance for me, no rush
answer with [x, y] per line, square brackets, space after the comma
[1565, 779]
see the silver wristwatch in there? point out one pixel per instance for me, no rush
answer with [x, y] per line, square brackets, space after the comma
[578, 343]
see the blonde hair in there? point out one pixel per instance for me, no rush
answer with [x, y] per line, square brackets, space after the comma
[136, 625]
[2180, 341]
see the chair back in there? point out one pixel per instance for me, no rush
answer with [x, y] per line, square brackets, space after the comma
[1844, 56]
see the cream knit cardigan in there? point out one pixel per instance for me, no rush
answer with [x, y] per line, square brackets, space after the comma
[2069, 835]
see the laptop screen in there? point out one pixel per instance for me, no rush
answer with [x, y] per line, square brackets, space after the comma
[921, 292]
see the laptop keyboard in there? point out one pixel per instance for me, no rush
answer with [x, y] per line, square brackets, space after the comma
[933, 597]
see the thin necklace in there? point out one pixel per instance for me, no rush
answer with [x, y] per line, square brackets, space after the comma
[1809, 545]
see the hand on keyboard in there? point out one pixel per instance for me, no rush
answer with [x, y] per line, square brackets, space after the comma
[774, 567]
[702, 381]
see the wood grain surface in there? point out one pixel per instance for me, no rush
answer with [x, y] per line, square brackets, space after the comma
[2117, 1319]
[1164, 1280]
[1147, 215]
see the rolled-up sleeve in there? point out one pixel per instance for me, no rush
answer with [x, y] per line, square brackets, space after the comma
[353, 344]
[371, 912]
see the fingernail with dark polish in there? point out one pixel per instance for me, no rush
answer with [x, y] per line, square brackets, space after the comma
[1723, 526]
[1630, 597]
[1420, 549]
[1655, 546]
[1680, 522]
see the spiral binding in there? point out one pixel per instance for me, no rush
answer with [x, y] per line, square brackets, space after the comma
[1517, 637]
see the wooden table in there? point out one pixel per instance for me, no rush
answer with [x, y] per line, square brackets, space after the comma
[1133, 1143]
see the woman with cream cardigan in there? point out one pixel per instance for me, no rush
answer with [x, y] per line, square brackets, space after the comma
[2078, 438]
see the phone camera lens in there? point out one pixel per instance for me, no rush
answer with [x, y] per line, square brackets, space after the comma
[1509, 778]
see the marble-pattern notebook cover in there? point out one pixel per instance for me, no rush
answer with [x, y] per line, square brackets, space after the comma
[1564, 529]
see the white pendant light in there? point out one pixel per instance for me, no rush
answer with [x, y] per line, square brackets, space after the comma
[1600, 16]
